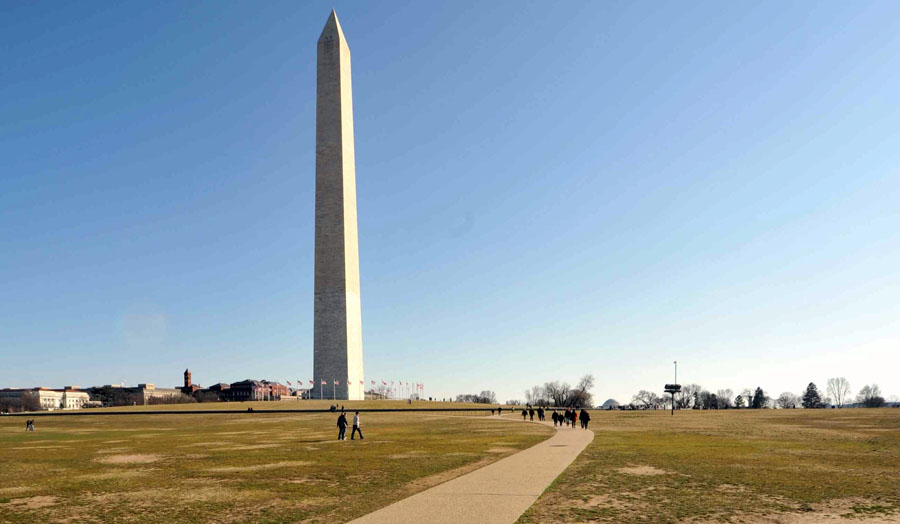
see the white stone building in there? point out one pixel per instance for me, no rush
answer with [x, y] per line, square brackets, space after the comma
[51, 399]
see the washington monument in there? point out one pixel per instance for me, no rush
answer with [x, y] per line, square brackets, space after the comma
[337, 353]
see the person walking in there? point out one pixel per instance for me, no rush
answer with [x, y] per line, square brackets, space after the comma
[342, 427]
[574, 417]
[531, 414]
[524, 414]
[540, 414]
[585, 418]
[356, 427]
[555, 418]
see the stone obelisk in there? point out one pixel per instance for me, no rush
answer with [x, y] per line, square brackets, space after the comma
[337, 353]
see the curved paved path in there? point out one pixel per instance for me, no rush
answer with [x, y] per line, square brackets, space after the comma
[497, 493]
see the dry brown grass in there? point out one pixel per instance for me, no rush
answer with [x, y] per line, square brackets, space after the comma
[235, 467]
[766, 466]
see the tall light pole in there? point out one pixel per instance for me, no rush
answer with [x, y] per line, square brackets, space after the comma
[674, 388]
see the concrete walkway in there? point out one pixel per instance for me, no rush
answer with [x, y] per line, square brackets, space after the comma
[497, 493]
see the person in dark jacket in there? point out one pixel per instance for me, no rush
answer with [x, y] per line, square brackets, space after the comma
[541, 414]
[531, 414]
[585, 418]
[555, 417]
[342, 427]
[524, 414]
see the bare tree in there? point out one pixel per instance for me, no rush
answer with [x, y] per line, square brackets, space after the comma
[684, 399]
[725, 397]
[839, 389]
[557, 392]
[489, 397]
[870, 396]
[536, 396]
[646, 399]
[581, 396]
[787, 400]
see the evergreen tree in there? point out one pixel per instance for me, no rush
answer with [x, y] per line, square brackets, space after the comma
[739, 402]
[759, 399]
[811, 398]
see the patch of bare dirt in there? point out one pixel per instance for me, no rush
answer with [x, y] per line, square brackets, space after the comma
[138, 458]
[112, 450]
[257, 467]
[605, 501]
[407, 455]
[643, 470]
[38, 502]
[114, 474]
[256, 446]
[218, 444]
[840, 510]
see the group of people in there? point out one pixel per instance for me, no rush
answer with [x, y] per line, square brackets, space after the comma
[570, 417]
[29, 425]
[342, 427]
[529, 412]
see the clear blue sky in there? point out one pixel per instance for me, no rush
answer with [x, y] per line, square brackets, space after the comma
[545, 190]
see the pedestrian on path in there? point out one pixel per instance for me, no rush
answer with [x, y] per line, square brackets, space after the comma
[524, 414]
[541, 414]
[356, 427]
[574, 417]
[531, 414]
[342, 427]
[585, 418]
[492, 412]
[499, 410]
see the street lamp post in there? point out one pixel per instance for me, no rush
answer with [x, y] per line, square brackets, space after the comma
[674, 388]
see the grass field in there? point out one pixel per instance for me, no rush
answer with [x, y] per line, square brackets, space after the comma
[238, 467]
[727, 466]
[732, 466]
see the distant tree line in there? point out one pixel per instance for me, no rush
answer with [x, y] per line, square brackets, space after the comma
[485, 397]
[694, 396]
[561, 394]
[19, 404]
